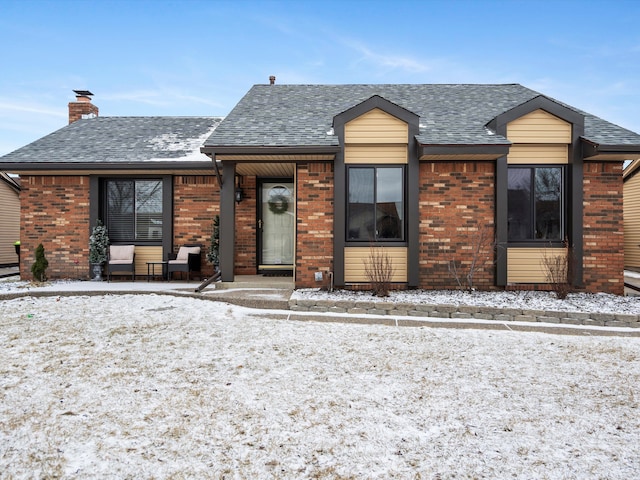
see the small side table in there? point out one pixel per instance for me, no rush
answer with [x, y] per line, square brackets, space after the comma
[151, 269]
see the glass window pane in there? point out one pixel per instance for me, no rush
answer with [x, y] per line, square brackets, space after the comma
[519, 204]
[148, 210]
[134, 210]
[389, 205]
[548, 205]
[120, 210]
[361, 211]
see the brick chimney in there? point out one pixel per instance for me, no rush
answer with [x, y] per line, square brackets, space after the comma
[82, 107]
[272, 80]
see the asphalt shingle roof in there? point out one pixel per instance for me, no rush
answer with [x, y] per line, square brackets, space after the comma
[292, 116]
[302, 115]
[117, 140]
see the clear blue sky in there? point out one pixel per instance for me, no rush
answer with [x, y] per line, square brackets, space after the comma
[158, 57]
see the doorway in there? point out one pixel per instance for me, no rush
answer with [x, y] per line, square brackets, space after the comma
[276, 226]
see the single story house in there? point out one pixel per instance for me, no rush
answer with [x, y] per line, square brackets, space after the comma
[9, 219]
[319, 180]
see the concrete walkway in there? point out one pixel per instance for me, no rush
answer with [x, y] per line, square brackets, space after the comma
[272, 298]
[9, 272]
[632, 279]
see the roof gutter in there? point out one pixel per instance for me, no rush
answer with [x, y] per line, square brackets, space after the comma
[10, 182]
[268, 150]
[217, 167]
[593, 149]
[100, 167]
[457, 149]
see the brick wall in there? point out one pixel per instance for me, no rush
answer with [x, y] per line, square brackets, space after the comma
[603, 228]
[55, 212]
[78, 109]
[196, 201]
[315, 222]
[457, 206]
[246, 255]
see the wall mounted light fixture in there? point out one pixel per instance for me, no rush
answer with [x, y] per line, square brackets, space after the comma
[238, 193]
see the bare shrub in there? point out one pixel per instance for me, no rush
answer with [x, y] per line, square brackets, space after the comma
[559, 271]
[379, 271]
[481, 255]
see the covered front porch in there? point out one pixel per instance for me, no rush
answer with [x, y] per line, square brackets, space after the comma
[268, 211]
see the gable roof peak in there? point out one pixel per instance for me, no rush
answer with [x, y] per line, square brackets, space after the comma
[373, 102]
[538, 102]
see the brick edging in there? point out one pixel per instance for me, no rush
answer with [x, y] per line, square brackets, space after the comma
[390, 309]
[359, 307]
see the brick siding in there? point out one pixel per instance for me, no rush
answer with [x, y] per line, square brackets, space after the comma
[196, 201]
[78, 109]
[55, 212]
[457, 205]
[315, 223]
[603, 228]
[457, 201]
[246, 241]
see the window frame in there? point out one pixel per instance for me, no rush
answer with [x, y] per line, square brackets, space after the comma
[564, 214]
[377, 241]
[104, 206]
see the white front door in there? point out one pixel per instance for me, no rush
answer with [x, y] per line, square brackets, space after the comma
[276, 224]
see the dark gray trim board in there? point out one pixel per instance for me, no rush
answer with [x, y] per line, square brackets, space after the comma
[96, 196]
[339, 213]
[413, 209]
[373, 102]
[576, 201]
[574, 194]
[501, 196]
[227, 222]
[157, 168]
[499, 124]
[269, 150]
[590, 149]
[412, 183]
[497, 150]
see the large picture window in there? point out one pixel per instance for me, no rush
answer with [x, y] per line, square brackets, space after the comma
[535, 203]
[375, 204]
[134, 210]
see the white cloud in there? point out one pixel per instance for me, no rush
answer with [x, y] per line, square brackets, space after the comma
[389, 61]
[159, 97]
[22, 122]
[10, 107]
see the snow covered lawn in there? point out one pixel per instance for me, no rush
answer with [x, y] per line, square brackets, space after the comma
[153, 386]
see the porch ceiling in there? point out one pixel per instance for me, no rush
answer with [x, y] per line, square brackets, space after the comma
[266, 169]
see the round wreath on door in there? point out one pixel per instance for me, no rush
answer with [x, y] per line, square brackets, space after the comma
[279, 197]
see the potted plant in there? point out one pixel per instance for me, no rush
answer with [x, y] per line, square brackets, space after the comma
[213, 254]
[98, 245]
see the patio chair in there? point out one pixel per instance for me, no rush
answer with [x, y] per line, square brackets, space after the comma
[186, 260]
[122, 258]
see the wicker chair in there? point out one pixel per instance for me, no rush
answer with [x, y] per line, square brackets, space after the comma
[186, 260]
[122, 258]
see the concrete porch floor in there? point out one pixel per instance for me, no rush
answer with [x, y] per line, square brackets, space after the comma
[253, 291]
[255, 281]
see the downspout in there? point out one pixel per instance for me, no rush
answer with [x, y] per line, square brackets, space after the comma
[215, 165]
